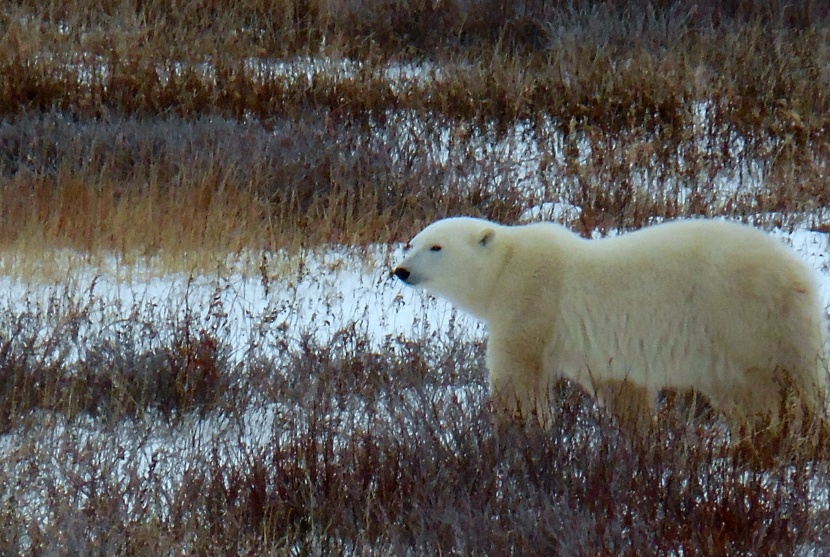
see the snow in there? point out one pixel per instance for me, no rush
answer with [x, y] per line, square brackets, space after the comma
[317, 292]
[320, 291]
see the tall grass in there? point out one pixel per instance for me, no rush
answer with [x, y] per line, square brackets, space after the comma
[190, 131]
[216, 126]
[151, 442]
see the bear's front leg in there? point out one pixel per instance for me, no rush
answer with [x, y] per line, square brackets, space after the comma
[518, 388]
[631, 404]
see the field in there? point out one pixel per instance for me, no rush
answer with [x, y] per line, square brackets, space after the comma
[201, 350]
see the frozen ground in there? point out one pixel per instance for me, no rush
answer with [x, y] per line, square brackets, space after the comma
[317, 293]
[320, 292]
[259, 311]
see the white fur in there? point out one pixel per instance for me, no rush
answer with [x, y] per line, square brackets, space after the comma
[717, 307]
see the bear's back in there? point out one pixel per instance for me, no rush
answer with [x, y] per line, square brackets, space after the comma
[709, 305]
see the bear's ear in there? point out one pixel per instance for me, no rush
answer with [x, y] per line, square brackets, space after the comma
[486, 237]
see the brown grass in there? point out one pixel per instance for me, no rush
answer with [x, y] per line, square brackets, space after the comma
[140, 129]
[116, 116]
[179, 188]
[152, 445]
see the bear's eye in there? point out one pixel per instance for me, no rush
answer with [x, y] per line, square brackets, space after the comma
[436, 247]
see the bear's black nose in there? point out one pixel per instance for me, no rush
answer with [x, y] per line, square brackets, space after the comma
[402, 273]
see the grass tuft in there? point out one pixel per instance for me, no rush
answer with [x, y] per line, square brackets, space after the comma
[134, 136]
[360, 448]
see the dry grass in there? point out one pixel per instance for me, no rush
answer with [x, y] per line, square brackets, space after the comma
[115, 116]
[166, 446]
[179, 188]
[134, 129]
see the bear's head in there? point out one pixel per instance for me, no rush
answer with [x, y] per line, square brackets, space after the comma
[453, 258]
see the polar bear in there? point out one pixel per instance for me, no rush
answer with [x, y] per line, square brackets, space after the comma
[712, 307]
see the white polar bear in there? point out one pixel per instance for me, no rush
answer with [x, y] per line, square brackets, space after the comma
[710, 306]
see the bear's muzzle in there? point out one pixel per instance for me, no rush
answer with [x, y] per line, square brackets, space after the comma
[402, 273]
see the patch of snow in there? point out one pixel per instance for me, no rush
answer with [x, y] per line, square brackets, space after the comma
[317, 292]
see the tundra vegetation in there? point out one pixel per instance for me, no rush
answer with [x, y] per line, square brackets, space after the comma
[172, 135]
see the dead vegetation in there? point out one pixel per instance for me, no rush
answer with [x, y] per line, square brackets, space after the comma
[194, 128]
[357, 449]
[313, 122]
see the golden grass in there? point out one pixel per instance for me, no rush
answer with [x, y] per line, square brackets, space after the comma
[135, 138]
[612, 91]
[147, 221]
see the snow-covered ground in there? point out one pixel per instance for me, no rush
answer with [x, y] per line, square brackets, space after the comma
[280, 298]
[319, 292]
